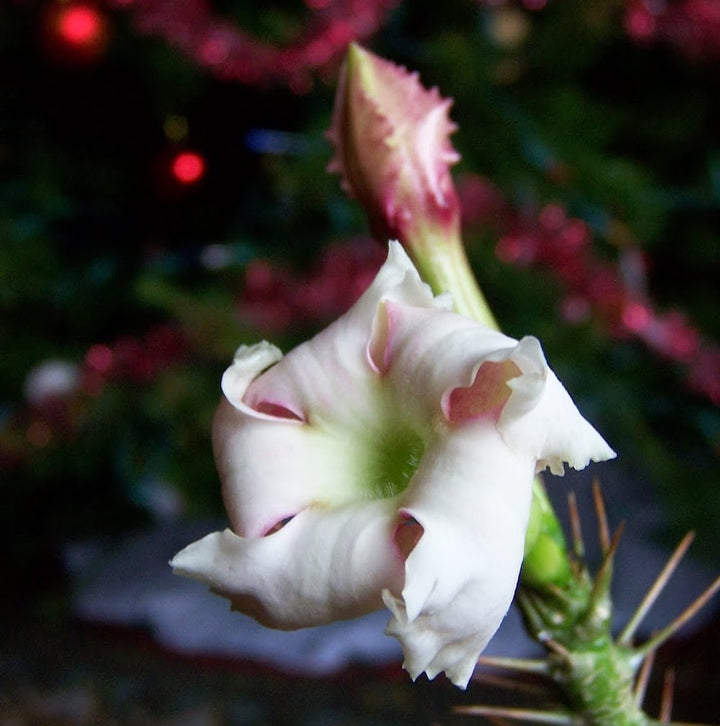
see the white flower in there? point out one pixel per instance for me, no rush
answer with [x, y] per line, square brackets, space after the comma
[389, 459]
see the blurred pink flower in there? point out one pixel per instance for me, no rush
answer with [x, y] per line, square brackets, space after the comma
[274, 299]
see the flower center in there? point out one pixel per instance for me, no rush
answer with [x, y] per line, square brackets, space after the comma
[397, 455]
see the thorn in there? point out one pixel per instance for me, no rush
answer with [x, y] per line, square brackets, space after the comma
[556, 647]
[511, 683]
[603, 528]
[575, 526]
[604, 573]
[661, 636]
[560, 594]
[657, 587]
[520, 714]
[644, 678]
[528, 603]
[668, 693]
[536, 610]
[524, 665]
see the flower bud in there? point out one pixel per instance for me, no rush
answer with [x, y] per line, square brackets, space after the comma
[392, 148]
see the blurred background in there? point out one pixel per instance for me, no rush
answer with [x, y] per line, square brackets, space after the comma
[163, 199]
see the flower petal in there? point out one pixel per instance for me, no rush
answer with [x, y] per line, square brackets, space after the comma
[471, 493]
[541, 419]
[431, 351]
[485, 397]
[271, 469]
[471, 496]
[331, 372]
[440, 352]
[249, 361]
[297, 434]
[323, 565]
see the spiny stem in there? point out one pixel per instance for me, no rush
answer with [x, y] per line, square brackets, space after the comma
[527, 604]
[652, 594]
[562, 595]
[660, 637]
[536, 610]
[521, 714]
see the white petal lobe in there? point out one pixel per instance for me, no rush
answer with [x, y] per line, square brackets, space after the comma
[321, 566]
[472, 496]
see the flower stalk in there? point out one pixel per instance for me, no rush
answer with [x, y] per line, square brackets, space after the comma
[443, 264]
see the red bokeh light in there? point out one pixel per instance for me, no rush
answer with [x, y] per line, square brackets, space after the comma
[188, 167]
[75, 32]
[80, 25]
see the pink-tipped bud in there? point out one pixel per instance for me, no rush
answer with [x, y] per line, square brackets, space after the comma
[392, 148]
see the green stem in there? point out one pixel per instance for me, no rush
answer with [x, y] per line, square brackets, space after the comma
[546, 561]
[443, 264]
[599, 683]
